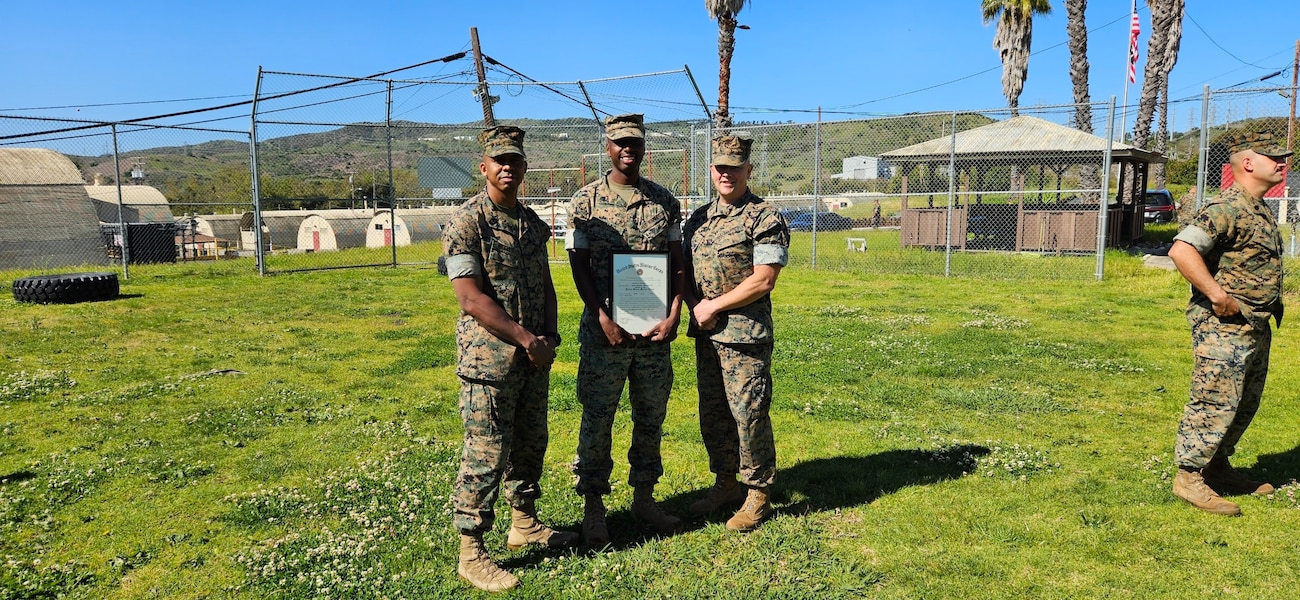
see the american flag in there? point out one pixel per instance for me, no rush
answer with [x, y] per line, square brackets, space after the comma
[1134, 29]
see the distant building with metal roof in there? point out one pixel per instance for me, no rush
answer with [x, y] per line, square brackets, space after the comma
[46, 217]
[140, 204]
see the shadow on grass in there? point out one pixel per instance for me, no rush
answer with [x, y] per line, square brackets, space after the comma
[810, 486]
[1278, 468]
[846, 481]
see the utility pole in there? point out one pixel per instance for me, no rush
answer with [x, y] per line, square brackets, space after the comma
[1290, 124]
[481, 91]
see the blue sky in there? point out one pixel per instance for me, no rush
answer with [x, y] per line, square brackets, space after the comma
[859, 57]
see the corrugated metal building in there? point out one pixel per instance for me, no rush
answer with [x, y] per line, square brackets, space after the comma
[140, 204]
[412, 226]
[46, 217]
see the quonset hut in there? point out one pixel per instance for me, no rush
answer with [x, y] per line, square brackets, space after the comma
[332, 230]
[410, 226]
[140, 204]
[223, 227]
[46, 218]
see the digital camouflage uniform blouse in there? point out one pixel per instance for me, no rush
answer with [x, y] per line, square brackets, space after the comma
[1242, 247]
[512, 257]
[606, 224]
[720, 243]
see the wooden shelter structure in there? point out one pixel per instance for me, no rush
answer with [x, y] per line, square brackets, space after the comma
[1009, 153]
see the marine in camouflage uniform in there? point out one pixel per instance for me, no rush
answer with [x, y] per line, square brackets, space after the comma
[505, 337]
[1231, 252]
[735, 249]
[1186, 208]
[622, 212]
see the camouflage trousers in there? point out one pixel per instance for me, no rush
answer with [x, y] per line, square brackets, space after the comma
[647, 367]
[1228, 377]
[735, 387]
[505, 443]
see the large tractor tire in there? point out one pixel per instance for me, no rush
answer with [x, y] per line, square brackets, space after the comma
[67, 288]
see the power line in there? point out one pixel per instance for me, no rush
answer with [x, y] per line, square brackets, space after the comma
[127, 103]
[1216, 44]
[937, 85]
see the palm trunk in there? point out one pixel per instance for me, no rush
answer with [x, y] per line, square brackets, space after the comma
[1012, 43]
[1078, 35]
[1168, 58]
[1077, 29]
[1162, 138]
[1161, 17]
[726, 47]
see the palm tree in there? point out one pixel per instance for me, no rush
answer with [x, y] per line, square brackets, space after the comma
[1173, 39]
[1077, 31]
[1162, 53]
[1012, 40]
[724, 12]
[1078, 40]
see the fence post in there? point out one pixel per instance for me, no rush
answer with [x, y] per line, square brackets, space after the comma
[121, 217]
[952, 195]
[1203, 153]
[392, 194]
[1103, 203]
[691, 185]
[817, 181]
[255, 184]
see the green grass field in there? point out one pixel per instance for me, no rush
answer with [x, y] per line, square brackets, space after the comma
[212, 434]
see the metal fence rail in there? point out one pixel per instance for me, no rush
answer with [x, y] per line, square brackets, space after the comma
[363, 171]
[349, 166]
[83, 193]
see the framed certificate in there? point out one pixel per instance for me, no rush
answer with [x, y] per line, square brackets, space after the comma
[639, 298]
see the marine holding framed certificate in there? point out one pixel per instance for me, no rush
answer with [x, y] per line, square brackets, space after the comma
[641, 290]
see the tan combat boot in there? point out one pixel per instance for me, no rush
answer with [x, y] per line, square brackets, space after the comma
[1190, 486]
[594, 531]
[757, 508]
[726, 492]
[1227, 481]
[525, 529]
[646, 509]
[477, 567]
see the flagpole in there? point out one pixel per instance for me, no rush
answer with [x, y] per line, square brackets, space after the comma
[1130, 63]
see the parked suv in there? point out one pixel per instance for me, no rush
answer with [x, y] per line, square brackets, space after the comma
[1159, 207]
[826, 221]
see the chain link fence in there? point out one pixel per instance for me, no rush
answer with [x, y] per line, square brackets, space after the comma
[364, 171]
[92, 194]
[1264, 112]
[973, 193]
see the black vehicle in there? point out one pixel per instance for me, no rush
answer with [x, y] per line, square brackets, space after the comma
[1159, 207]
[826, 221]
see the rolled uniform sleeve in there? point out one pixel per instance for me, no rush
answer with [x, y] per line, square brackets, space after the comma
[462, 243]
[771, 254]
[1196, 238]
[579, 219]
[463, 265]
[771, 239]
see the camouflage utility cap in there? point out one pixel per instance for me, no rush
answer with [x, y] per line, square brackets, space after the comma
[1261, 142]
[502, 140]
[731, 150]
[625, 126]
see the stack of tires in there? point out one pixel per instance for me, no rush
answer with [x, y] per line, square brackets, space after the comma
[67, 288]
